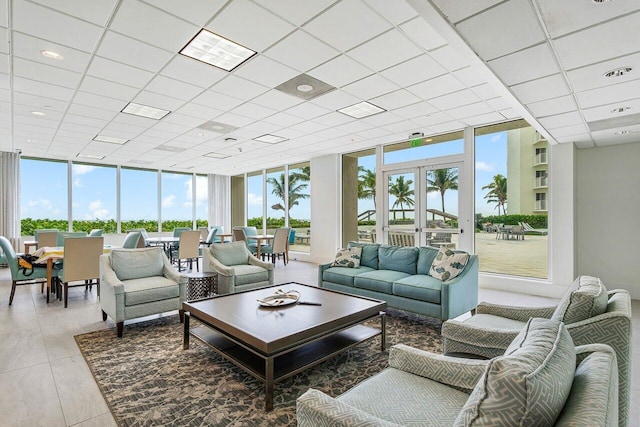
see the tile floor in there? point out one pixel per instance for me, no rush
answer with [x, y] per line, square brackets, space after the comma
[45, 381]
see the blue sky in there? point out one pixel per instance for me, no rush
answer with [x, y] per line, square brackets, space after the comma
[44, 189]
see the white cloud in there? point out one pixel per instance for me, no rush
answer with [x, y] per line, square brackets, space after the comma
[101, 214]
[496, 137]
[82, 169]
[254, 200]
[201, 191]
[168, 201]
[486, 167]
[77, 182]
[97, 204]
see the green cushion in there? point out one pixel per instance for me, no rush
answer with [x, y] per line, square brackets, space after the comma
[529, 385]
[419, 286]
[587, 297]
[149, 289]
[230, 254]
[399, 258]
[343, 275]
[425, 259]
[136, 263]
[378, 280]
[247, 273]
[369, 253]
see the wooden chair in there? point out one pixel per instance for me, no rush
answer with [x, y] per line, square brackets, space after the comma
[81, 263]
[47, 239]
[188, 249]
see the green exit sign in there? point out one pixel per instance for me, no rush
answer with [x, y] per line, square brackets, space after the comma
[416, 142]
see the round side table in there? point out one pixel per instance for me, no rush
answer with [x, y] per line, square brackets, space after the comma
[201, 285]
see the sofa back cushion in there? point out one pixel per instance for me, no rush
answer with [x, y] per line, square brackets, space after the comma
[585, 298]
[234, 253]
[529, 385]
[425, 259]
[137, 263]
[369, 257]
[398, 258]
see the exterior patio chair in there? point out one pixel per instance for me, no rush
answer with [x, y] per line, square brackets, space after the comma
[530, 229]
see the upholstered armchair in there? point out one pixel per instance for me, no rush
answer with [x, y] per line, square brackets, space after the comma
[17, 275]
[237, 268]
[137, 283]
[590, 313]
[549, 382]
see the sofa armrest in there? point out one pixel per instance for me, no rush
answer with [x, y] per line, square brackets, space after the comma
[483, 341]
[457, 372]
[316, 409]
[109, 279]
[321, 270]
[111, 290]
[522, 314]
[460, 294]
[255, 261]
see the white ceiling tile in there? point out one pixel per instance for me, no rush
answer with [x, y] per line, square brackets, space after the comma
[307, 111]
[340, 71]
[217, 100]
[528, 64]
[39, 88]
[80, 120]
[90, 99]
[436, 87]
[452, 100]
[592, 76]
[422, 108]
[382, 119]
[301, 51]
[553, 106]
[156, 100]
[45, 73]
[4, 21]
[107, 88]
[40, 102]
[566, 119]
[485, 91]
[26, 110]
[605, 41]
[457, 11]
[253, 111]
[518, 29]
[585, 141]
[141, 21]
[192, 71]
[334, 119]
[4, 40]
[181, 119]
[277, 100]
[433, 119]
[338, 27]
[199, 112]
[472, 75]
[30, 48]
[541, 89]
[239, 88]
[197, 12]
[309, 127]
[97, 11]
[118, 72]
[510, 113]
[449, 58]
[265, 71]
[283, 119]
[174, 88]
[122, 130]
[54, 26]
[246, 23]
[133, 52]
[396, 47]
[394, 12]
[335, 100]
[399, 98]
[370, 87]
[88, 111]
[484, 119]
[561, 132]
[423, 34]
[296, 11]
[609, 94]
[234, 119]
[469, 110]
[606, 111]
[405, 74]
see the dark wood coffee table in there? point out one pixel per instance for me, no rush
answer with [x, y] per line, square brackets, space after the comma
[275, 343]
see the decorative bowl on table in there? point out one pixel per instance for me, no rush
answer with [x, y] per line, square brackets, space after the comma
[280, 298]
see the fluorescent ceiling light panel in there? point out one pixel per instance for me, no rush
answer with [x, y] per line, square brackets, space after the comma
[110, 139]
[145, 111]
[140, 162]
[90, 156]
[361, 109]
[216, 50]
[270, 139]
[217, 155]
[170, 148]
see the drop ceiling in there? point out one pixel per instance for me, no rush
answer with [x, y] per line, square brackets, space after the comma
[433, 66]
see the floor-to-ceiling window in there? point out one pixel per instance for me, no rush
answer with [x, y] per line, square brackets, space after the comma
[43, 195]
[93, 189]
[300, 205]
[276, 206]
[255, 195]
[138, 199]
[202, 198]
[177, 197]
[359, 196]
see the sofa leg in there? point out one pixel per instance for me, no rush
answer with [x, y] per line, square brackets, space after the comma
[104, 316]
[181, 314]
[473, 311]
[119, 328]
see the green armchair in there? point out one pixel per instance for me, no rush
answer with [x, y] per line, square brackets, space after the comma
[17, 276]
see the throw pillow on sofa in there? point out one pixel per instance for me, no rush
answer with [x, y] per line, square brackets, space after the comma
[448, 264]
[349, 257]
[587, 297]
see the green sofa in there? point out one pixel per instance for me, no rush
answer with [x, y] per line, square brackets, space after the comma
[400, 276]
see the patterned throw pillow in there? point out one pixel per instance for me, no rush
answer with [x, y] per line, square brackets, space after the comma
[349, 257]
[586, 297]
[448, 264]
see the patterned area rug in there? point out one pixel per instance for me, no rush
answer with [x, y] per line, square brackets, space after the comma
[147, 379]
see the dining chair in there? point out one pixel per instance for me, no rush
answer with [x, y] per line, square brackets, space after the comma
[96, 232]
[131, 240]
[17, 277]
[240, 235]
[204, 232]
[62, 235]
[188, 249]
[81, 263]
[279, 246]
[36, 232]
[47, 239]
[219, 230]
[210, 237]
[142, 242]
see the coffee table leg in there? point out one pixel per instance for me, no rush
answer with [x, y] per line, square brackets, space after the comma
[185, 342]
[383, 330]
[268, 384]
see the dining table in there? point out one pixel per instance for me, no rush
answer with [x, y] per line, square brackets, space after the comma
[50, 254]
[259, 238]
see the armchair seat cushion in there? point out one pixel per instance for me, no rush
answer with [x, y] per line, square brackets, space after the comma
[344, 275]
[421, 400]
[420, 286]
[246, 274]
[149, 289]
[378, 280]
[489, 321]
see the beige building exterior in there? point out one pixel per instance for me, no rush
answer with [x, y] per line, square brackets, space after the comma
[527, 172]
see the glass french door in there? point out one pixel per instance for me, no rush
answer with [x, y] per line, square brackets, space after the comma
[423, 206]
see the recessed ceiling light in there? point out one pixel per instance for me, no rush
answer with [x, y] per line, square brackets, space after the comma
[217, 155]
[428, 140]
[52, 55]
[270, 139]
[361, 109]
[145, 111]
[110, 139]
[90, 156]
[622, 132]
[305, 88]
[38, 113]
[216, 50]
[620, 110]
[170, 148]
[618, 72]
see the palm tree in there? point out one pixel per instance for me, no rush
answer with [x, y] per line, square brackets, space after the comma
[367, 184]
[303, 174]
[295, 190]
[402, 191]
[442, 180]
[497, 193]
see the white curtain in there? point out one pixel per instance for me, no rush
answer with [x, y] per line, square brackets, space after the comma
[10, 197]
[220, 201]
